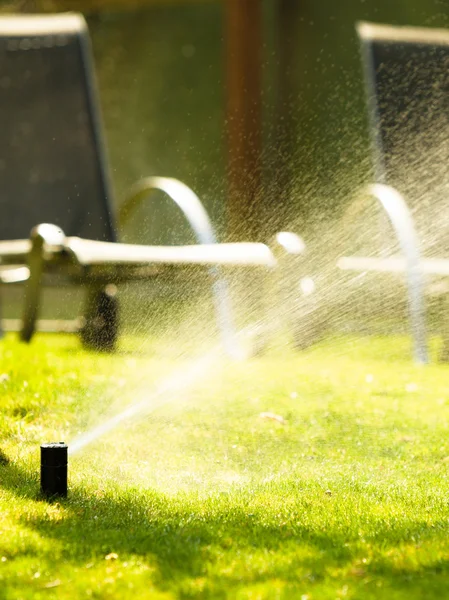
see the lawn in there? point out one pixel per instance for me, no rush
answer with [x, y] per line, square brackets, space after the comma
[340, 491]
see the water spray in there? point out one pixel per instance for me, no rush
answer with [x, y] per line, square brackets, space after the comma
[199, 221]
[403, 224]
[401, 219]
[54, 470]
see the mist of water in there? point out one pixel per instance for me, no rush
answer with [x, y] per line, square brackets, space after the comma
[317, 297]
[169, 389]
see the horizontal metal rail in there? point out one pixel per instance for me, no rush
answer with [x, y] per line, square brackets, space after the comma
[428, 266]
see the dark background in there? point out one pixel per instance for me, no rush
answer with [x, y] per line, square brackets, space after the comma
[161, 72]
[160, 69]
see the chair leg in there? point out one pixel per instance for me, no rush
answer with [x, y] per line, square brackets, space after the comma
[101, 318]
[33, 286]
[289, 304]
[2, 333]
[444, 329]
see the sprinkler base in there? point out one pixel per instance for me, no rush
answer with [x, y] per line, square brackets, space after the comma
[54, 470]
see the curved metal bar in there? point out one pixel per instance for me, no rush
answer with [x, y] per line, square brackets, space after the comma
[196, 215]
[401, 219]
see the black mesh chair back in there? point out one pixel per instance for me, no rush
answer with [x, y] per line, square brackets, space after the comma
[52, 164]
[407, 75]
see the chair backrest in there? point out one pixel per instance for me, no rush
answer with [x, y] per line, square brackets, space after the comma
[407, 77]
[52, 161]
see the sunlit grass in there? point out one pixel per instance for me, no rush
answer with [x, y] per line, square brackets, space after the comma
[320, 474]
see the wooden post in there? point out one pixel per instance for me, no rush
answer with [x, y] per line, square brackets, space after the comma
[286, 163]
[244, 136]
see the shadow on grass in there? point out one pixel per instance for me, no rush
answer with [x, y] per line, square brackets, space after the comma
[229, 542]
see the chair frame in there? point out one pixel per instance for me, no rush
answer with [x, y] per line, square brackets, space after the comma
[101, 265]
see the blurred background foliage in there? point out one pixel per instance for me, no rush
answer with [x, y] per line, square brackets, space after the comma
[161, 71]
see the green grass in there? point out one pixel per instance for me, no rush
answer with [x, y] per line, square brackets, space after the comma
[202, 497]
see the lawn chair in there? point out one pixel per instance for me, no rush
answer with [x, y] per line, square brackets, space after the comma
[54, 182]
[407, 79]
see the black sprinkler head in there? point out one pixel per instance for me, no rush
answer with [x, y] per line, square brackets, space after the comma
[54, 469]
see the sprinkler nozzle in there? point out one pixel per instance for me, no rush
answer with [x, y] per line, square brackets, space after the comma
[54, 469]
